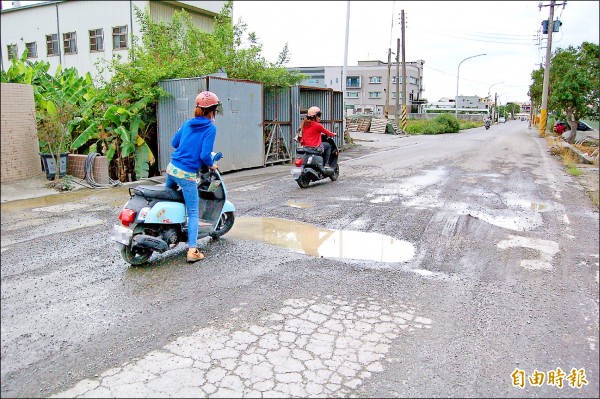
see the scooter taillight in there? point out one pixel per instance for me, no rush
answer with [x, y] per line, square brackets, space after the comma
[298, 162]
[127, 216]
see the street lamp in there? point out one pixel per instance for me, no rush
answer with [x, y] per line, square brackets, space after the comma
[490, 88]
[457, 74]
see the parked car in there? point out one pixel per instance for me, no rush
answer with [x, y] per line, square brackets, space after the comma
[502, 120]
[581, 126]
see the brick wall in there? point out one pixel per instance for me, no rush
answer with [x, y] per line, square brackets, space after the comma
[76, 168]
[19, 156]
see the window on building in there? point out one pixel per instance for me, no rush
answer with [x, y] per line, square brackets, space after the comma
[412, 80]
[31, 49]
[52, 44]
[119, 37]
[351, 94]
[399, 78]
[13, 52]
[353, 82]
[374, 94]
[97, 40]
[374, 79]
[70, 42]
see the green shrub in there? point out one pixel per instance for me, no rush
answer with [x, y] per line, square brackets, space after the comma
[447, 123]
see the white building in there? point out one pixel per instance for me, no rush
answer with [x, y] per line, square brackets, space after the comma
[367, 85]
[79, 33]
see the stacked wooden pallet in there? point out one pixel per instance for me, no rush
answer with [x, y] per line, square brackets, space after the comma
[363, 125]
[378, 125]
[352, 124]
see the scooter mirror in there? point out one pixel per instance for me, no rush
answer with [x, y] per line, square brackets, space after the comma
[217, 156]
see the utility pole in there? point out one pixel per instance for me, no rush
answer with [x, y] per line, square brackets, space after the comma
[495, 114]
[544, 111]
[387, 92]
[403, 77]
[344, 70]
[397, 84]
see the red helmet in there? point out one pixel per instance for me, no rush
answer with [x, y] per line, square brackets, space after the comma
[206, 99]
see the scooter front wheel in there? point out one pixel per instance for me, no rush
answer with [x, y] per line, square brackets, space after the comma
[135, 258]
[225, 224]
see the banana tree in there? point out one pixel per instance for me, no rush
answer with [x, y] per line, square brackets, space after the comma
[58, 101]
[113, 127]
[23, 71]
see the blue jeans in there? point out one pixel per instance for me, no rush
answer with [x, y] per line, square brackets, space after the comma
[190, 195]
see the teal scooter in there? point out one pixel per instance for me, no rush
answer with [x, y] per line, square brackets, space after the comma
[155, 219]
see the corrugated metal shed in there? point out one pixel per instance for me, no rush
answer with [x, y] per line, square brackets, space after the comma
[239, 129]
[257, 126]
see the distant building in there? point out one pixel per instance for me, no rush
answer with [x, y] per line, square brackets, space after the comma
[525, 107]
[466, 104]
[367, 85]
[79, 33]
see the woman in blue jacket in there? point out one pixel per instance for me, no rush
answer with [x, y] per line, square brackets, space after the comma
[193, 145]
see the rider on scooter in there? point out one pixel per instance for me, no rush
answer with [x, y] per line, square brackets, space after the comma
[193, 145]
[311, 134]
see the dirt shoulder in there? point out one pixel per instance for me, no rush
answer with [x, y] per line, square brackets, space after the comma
[590, 181]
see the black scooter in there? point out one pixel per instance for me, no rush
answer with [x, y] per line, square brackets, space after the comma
[487, 124]
[309, 164]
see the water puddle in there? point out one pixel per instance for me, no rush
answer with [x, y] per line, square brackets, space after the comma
[325, 243]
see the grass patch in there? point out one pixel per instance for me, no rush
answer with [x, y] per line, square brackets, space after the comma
[444, 123]
[573, 170]
[569, 158]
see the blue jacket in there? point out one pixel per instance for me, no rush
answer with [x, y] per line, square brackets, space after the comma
[193, 144]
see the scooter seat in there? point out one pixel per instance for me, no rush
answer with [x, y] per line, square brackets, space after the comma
[308, 150]
[159, 192]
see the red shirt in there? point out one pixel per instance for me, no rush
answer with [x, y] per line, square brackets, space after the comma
[311, 134]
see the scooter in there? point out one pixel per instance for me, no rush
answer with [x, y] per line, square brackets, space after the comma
[155, 219]
[487, 125]
[309, 164]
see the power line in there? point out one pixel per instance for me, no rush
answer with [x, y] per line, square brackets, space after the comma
[532, 39]
[507, 36]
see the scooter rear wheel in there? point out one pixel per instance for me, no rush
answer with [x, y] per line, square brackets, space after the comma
[225, 224]
[135, 258]
[303, 181]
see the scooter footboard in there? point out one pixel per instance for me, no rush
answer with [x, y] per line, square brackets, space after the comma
[210, 210]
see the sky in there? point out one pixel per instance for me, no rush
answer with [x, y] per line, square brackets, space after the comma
[442, 33]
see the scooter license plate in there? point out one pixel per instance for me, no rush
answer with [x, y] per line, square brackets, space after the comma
[121, 234]
[296, 172]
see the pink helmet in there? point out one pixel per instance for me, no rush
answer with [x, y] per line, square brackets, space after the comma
[206, 99]
[313, 111]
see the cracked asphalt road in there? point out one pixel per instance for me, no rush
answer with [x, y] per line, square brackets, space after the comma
[503, 280]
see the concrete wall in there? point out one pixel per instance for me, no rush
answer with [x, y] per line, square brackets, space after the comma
[20, 157]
